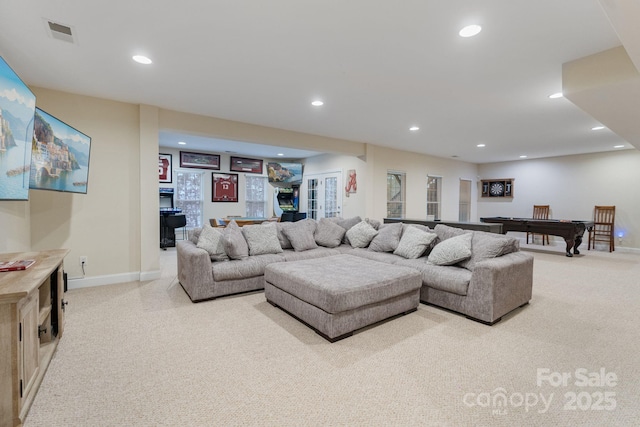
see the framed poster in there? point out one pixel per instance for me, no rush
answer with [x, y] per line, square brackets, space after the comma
[164, 167]
[241, 164]
[497, 187]
[224, 187]
[199, 160]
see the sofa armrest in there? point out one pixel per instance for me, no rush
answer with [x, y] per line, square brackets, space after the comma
[499, 285]
[194, 270]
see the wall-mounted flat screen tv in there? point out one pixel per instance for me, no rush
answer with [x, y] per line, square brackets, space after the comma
[290, 173]
[17, 107]
[59, 157]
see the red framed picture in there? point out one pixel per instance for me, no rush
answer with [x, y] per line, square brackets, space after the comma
[164, 167]
[224, 187]
[241, 164]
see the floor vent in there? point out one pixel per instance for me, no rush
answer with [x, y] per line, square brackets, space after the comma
[61, 32]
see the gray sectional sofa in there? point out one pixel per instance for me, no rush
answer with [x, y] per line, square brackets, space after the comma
[481, 275]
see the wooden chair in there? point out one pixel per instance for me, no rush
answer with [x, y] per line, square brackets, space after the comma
[602, 231]
[539, 212]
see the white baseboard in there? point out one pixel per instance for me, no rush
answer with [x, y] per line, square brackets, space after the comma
[112, 279]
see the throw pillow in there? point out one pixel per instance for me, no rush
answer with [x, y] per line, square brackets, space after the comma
[262, 239]
[328, 233]
[489, 245]
[387, 239]
[211, 240]
[445, 232]
[414, 242]
[300, 234]
[452, 250]
[347, 223]
[194, 235]
[284, 242]
[235, 244]
[361, 234]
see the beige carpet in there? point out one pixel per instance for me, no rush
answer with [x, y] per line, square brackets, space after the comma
[143, 354]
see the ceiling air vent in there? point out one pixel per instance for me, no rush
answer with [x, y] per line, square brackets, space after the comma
[61, 32]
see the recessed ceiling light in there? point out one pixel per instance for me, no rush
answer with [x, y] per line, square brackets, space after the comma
[618, 146]
[280, 154]
[470, 30]
[556, 95]
[317, 103]
[597, 128]
[481, 145]
[182, 143]
[523, 156]
[142, 59]
[414, 128]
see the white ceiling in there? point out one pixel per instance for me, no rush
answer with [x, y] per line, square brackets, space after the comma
[380, 67]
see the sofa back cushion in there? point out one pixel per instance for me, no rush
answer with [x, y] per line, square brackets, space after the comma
[328, 233]
[361, 234]
[387, 239]
[489, 245]
[235, 244]
[300, 234]
[451, 251]
[445, 232]
[211, 240]
[262, 239]
[414, 242]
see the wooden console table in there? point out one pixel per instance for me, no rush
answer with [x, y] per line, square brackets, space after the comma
[31, 323]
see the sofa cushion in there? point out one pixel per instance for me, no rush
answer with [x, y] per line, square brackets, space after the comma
[489, 245]
[245, 268]
[444, 278]
[194, 235]
[346, 223]
[262, 239]
[300, 234]
[235, 244]
[414, 242]
[385, 257]
[387, 238]
[292, 255]
[328, 233]
[452, 251]
[361, 234]
[211, 240]
[445, 232]
[284, 241]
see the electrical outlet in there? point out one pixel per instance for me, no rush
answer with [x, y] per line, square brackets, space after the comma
[83, 260]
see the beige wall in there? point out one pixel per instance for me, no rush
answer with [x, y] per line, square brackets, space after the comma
[417, 167]
[15, 226]
[572, 186]
[103, 224]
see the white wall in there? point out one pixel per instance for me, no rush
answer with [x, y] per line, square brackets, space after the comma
[354, 205]
[15, 226]
[572, 186]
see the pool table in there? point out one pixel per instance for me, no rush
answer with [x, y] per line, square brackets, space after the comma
[570, 230]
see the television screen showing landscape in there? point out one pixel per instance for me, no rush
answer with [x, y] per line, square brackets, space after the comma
[60, 155]
[17, 107]
[285, 172]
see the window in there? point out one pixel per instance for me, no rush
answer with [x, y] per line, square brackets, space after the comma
[434, 185]
[464, 210]
[189, 196]
[395, 194]
[256, 196]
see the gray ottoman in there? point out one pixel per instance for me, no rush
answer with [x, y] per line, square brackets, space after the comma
[339, 294]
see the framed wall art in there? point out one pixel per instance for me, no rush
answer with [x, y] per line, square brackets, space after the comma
[241, 164]
[199, 160]
[497, 187]
[224, 187]
[164, 167]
